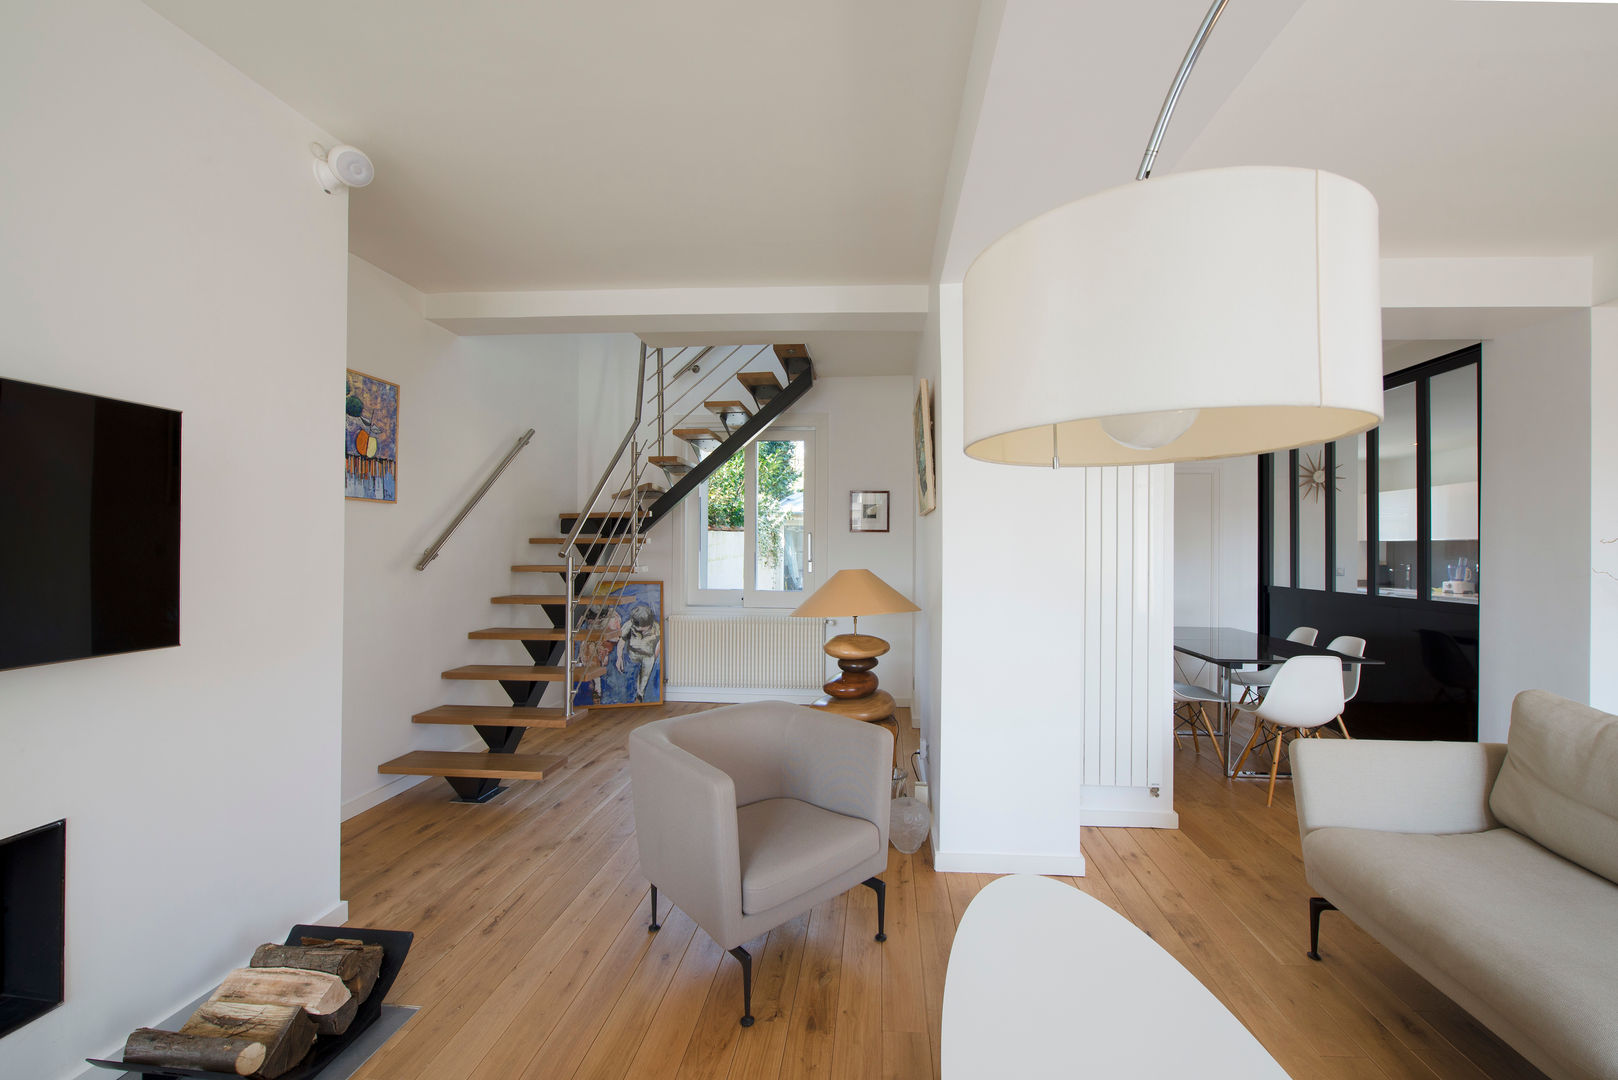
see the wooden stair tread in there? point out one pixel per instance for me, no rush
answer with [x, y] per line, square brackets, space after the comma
[473, 764]
[530, 598]
[499, 716]
[791, 352]
[726, 406]
[584, 540]
[558, 568]
[698, 434]
[667, 459]
[531, 633]
[766, 379]
[522, 672]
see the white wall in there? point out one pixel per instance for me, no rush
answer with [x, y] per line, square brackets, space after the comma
[463, 402]
[1603, 555]
[1535, 517]
[1232, 547]
[162, 241]
[929, 582]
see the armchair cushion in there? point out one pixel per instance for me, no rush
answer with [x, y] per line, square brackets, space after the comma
[1556, 785]
[789, 847]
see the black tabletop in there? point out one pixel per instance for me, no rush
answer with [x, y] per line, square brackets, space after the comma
[1227, 647]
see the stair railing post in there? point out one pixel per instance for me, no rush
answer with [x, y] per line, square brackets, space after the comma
[660, 450]
[567, 644]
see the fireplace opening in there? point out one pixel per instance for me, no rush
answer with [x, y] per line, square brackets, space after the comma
[33, 874]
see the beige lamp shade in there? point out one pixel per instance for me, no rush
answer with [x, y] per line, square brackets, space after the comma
[1199, 315]
[853, 592]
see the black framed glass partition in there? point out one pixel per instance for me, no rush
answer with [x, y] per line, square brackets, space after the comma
[1376, 536]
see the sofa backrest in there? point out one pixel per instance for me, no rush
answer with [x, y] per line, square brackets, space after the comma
[1559, 783]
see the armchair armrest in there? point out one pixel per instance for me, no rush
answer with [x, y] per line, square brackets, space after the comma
[685, 827]
[1410, 787]
[841, 765]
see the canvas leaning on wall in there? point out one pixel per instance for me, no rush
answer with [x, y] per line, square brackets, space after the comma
[624, 628]
[370, 438]
[926, 476]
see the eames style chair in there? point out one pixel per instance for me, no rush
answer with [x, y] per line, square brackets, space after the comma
[1348, 645]
[1307, 694]
[1254, 683]
[1191, 701]
[749, 815]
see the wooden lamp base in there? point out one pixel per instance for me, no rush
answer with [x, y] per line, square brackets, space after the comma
[856, 654]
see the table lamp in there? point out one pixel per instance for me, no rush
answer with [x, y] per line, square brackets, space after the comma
[856, 593]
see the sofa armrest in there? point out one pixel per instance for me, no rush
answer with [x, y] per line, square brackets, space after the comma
[685, 828]
[1409, 787]
[841, 765]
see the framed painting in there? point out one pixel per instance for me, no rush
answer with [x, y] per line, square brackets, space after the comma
[370, 438]
[926, 476]
[629, 618]
[867, 511]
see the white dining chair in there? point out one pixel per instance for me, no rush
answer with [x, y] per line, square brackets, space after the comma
[1191, 701]
[1305, 696]
[1254, 682]
[1348, 645]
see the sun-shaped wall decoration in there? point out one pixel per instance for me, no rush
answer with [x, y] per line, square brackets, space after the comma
[1312, 477]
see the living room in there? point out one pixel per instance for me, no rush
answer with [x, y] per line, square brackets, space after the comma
[555, 189]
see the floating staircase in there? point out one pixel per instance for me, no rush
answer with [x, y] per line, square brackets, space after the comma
[598, 549]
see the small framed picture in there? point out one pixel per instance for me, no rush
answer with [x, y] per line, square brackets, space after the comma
[867, 511]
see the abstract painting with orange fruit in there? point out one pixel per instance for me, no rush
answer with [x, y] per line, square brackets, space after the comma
[371, 438]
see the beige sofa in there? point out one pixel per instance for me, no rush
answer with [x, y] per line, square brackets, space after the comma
[1489, 869]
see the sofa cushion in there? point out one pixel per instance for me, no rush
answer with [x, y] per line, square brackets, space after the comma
[790, 847]
[1533, 936]
[1559, 784]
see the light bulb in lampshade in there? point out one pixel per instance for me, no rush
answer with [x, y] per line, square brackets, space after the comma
[1150, 430]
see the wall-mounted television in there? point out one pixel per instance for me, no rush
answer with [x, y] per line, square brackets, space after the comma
[89, 525]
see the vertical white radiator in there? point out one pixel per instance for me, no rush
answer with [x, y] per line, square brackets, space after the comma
[746, 653]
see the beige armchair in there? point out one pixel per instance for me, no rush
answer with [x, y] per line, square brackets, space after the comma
[749, 815]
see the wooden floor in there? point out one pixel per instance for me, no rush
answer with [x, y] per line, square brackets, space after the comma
[532, 957]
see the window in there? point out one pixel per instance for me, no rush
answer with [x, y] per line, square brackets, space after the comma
[1390, 513]
[751, 525]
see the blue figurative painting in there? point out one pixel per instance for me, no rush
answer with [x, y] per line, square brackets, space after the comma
[629, 619]
[370, 438]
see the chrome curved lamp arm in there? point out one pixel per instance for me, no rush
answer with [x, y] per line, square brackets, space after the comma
[1169, 102]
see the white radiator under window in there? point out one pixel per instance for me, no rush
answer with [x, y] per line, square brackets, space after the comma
[746, 653]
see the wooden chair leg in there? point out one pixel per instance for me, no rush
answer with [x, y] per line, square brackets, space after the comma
[1275, 763]
[1202, 711]
[1344, 726]
[1196, 745]
[1258, 727]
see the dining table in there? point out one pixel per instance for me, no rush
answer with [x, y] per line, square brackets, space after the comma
[1226, 648]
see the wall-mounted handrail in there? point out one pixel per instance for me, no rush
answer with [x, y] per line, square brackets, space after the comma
[617, 455]
[432, 553]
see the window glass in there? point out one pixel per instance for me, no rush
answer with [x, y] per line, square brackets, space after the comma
[780, 545]
[723, 535]
[1396, 497]
[1453, 401]
[1351, 547]
[1314, 488]
[1281, 553]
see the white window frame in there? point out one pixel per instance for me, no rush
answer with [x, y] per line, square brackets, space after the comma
[811, 429]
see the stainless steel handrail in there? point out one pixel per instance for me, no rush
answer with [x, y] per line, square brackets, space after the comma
[432, 553]
[617, 455]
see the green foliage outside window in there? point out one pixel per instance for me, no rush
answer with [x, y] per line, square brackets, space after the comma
[779, 478]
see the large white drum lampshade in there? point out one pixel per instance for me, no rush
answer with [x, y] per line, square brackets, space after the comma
[1196, 315]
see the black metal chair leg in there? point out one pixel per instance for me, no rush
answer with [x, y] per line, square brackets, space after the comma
[1317, 904]
[878, 886]
[746, 961]
[655, 925]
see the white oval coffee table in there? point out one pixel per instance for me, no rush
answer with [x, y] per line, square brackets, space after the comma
[1045, 980]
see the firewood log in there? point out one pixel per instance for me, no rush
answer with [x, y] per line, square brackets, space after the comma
[319, 993]
[355, 962]
[148, 1046]
[286, 1031]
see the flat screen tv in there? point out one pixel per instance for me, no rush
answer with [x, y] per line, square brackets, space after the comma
[89, 525]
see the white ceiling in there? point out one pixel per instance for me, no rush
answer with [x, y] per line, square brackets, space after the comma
[631, 143]
[1480, 128]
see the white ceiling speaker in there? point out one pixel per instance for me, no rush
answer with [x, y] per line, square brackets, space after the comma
[342, 166]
